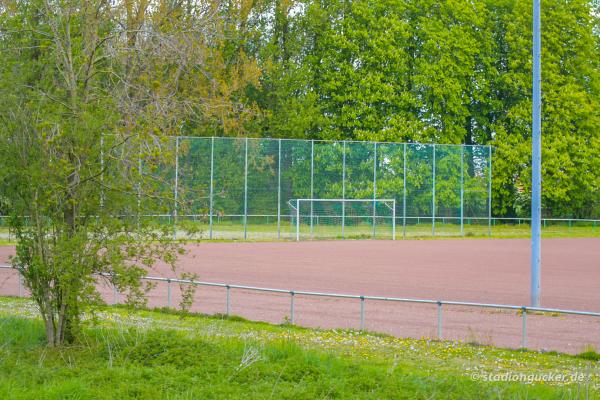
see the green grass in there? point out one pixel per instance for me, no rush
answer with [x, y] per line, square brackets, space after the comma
[227, 230]
[127, 354]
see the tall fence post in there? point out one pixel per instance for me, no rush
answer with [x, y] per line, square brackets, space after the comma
[462, 190]
[394, 220]
[211, 200]
[279, 191]
[298, 220]
[404, 195]
[246, 190]
[176, 189]
[139, 188]
[362, 313]
[101, 172]
[433, 196]
[343, 187]
[312, 183]
[490, 191]
[292, 310]
[524, 333]
[374, 186]
[439, 319]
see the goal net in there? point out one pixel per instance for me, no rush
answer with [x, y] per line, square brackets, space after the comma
[343, 218]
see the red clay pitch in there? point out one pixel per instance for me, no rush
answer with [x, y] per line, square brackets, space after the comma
[477, 270]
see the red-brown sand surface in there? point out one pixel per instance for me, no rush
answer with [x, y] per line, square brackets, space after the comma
[478, 270]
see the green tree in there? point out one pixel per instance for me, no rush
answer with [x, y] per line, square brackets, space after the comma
[91, 92]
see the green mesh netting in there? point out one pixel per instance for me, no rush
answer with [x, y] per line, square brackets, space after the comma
[235, 188]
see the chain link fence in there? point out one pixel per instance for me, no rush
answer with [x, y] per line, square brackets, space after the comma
[240, 188]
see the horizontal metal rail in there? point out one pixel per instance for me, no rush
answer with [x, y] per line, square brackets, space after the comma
[424, 217]
[324, 141]
[362, 298]
[355, 296]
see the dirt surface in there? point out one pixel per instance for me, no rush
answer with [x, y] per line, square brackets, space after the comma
[478, 270]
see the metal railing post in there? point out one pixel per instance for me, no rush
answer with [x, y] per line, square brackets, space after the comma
[439, 319]
[115, 294]
[524, 333]
[169, 293]
[20, 284]
[227, 300]
[292, 314]
[362, 313]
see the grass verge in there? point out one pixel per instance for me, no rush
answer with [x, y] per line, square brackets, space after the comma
[126, 354]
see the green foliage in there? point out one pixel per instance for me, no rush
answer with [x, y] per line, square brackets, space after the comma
[388, 70]
[75, 195]
[449, 72]
[207, 357]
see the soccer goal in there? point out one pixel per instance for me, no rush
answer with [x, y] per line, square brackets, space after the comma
[346, 218]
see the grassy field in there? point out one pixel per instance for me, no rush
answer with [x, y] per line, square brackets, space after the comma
[227, 229]
[127, 354]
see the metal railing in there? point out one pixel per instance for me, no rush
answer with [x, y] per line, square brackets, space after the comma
[362, 298]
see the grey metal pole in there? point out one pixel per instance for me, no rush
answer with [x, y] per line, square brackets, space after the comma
[404, 196]
[439, 319]
[228, 300]
[168, 293]
[212, 172]
[246, 191]
[524, 334]
[462, 190]
[115, 294]
[292, 308]
[374, 185]
[312, 188]
[394, 220]
[343, 187]
[297, 220]
[536, 162]
[139, 189]
[279, 191]
[176, 190]
[490, 191]
[102, 171]
[20, 284]
[362, 313]
[433, 197]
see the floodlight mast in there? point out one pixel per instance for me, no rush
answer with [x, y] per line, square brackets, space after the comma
[536, 161]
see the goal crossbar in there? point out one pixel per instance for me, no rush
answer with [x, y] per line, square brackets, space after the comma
[389, 203]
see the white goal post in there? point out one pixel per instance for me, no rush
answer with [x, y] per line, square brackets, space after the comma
[357, 212]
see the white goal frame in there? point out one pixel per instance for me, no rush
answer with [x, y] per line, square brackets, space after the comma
[295, 204]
